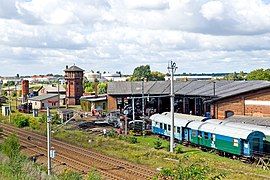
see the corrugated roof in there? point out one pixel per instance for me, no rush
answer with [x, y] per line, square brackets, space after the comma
[261, 121]
[74, 69]
[43, 97]
[191, 88]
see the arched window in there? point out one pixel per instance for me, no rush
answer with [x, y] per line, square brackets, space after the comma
[228, 114]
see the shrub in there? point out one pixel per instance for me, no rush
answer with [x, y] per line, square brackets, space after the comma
[133, 140]
[33, 123]
[20, 120]
[179, 149]
[166, 172]
[43, 118]
[112, 133]
[70, 175]
[11, 146]
[93, 175]
[157, 144]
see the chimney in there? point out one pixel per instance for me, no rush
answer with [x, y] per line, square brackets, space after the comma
[66, 66]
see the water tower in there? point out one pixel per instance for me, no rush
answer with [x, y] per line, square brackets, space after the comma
[74, 80]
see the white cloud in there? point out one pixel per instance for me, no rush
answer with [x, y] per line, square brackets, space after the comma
[201, 35]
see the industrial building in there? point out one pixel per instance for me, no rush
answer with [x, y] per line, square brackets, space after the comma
[195, 97]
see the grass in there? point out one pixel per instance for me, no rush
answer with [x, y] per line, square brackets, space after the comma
[144, 153]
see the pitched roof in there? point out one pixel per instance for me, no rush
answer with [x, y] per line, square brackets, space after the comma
[192, 88]
[74, 69]
[43, 97]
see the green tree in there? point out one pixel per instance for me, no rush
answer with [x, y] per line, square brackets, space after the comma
[157, 76]
[259, 74]
[141, 72]
[102, 88]
[89, 87]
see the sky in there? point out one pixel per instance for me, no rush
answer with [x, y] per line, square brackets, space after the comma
[201, 36]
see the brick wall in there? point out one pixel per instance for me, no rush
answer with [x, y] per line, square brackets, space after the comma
[112, 104]
[238, 107]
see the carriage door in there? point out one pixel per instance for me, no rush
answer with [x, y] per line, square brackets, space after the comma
[246, 148]
[186, 135]
[256, 145]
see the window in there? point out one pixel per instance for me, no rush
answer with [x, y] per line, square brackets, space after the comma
[199, 134]
[178, 129]
[235, 142]
[169, 127]
[194, 134]
[161, 126]
[228, 114]
[165, 126]
[206, 135]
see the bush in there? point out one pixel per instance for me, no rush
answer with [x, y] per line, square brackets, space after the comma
[33, 123]
[166, 172]
[21, 120]
[179, 149]
[112, 133]
[133, 140]
[157, 144]
[93, 175]
[11, 146]
[43, 118]
[70, 175]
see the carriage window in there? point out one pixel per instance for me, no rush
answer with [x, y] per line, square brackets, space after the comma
[194, 133]
[169, 127]
[178, 129]
[206, 135]
[165, 126]
[199, 134]
[161, 125]
[235, 142]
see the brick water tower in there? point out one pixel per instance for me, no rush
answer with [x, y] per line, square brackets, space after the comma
[74, 80]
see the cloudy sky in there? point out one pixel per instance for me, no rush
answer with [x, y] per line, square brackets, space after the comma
[42, 36]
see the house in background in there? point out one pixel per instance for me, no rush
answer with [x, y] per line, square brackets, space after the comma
[44, 101]
[91, 103]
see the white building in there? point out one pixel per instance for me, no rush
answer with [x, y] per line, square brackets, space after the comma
[44, 101]
[189, 78]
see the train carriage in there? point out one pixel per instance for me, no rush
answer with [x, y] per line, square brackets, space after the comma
[231, 140]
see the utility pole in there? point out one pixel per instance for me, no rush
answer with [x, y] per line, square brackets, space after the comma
[58, 104]
[214, 88]
[143, 98]
[49, 140]
[133, 108]
[9, 105]
[172, 68]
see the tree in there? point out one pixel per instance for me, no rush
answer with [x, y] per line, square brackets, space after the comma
[157, 76]
[141, 72]
[259, 74]
[102, 88]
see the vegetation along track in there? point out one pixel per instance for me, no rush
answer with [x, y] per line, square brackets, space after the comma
[104, 164]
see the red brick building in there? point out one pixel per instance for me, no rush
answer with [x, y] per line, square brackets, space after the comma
[245, 98]
[74, 79]
[251, 103]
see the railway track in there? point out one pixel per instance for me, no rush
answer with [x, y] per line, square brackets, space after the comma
[85, 159]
